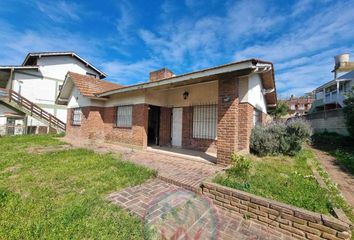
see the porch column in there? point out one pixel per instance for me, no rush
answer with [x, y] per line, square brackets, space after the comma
[228, 107]
[245, 118]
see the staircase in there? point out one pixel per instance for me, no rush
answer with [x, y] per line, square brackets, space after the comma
[21, 103]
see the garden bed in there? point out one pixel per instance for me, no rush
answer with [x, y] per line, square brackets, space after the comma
[282, 178]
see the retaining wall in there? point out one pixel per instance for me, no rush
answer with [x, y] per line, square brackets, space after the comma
[288, 219]
[329, 120]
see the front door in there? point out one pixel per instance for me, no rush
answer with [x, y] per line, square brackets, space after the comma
[177, 114]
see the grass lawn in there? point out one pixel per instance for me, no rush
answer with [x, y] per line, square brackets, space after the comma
[61, 194]
[282, 178]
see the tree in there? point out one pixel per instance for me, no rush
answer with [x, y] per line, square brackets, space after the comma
[280, 111]
[349, 112]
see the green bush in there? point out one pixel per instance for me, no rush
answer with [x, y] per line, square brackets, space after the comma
[280, 138]
[240, 166]
[349, 112]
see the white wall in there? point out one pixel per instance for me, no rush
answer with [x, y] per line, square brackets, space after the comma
[254, 94]
[58, 66]
[42, 87]
[77, 100]
[126, 99]
[4, 109]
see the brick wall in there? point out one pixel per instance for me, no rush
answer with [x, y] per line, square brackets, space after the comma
[290, 220]
[165, 126]
[98, 123]
[228, 121]
[92, 126]
[245, 118]
[188, 141]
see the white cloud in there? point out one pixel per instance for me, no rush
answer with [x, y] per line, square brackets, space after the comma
[196, 43]
[123, 73]
[59, 11]
[303, 56]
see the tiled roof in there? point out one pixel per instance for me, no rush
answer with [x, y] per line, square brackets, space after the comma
[90, 86]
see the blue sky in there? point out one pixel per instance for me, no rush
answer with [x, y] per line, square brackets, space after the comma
[128, 39]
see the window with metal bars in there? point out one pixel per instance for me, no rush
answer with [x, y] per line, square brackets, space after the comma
[205, 118]
[124, 116]
[76, 116]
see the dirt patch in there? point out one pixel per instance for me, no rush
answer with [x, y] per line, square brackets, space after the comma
[39, 150]
[12, 169]
[344, 179]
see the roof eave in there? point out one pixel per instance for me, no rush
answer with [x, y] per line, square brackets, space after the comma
[102, 74]
[248, 64]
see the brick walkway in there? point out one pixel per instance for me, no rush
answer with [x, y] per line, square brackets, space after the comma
[179, 171]
[176, 213]
[167, 205]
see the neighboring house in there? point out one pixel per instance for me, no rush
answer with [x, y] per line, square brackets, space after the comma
[299, 106]
[331, 94]
[326, 113]
[210, 110]
[39, 80]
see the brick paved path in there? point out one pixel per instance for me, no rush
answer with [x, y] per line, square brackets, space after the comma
[179, 171]
[177, 213]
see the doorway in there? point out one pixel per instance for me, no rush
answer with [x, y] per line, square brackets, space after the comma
[177, 115]
[154, 125]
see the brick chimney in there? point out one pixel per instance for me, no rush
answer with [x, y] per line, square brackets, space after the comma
[160, 74]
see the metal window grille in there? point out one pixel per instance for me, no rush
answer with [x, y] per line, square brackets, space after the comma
[256, 117]
[124, 116]
[205, 118]
[76, 118]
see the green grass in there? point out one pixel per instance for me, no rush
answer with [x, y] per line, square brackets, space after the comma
[61, 194]
[282, 178]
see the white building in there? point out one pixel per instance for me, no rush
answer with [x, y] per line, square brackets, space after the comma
[332, 94]
[39, 79]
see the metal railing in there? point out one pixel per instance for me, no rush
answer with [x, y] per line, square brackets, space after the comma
[34, 109]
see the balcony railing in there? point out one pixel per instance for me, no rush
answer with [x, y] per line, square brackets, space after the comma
[333, 97]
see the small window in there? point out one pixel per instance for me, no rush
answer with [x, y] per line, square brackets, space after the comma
[205, 120]
[257, 117]
[91, 74]
[76, 116]
[124, 116]
[60, 87]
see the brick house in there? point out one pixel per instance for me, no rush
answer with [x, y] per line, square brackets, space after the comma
[210, 110]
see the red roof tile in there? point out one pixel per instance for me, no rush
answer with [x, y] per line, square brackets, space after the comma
[91, 86]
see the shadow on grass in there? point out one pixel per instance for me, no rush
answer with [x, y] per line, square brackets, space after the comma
[338, 146]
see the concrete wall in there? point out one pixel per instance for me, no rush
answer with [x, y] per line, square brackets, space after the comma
[330, 121]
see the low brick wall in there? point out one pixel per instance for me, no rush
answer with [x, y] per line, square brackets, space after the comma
[290, 220]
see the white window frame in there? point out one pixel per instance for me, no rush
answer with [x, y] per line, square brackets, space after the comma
[76, 117]
[205, 121]
[124, 116]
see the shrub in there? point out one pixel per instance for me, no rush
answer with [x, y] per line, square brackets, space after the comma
[280, 138]
[240, 166]
[349, 112]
